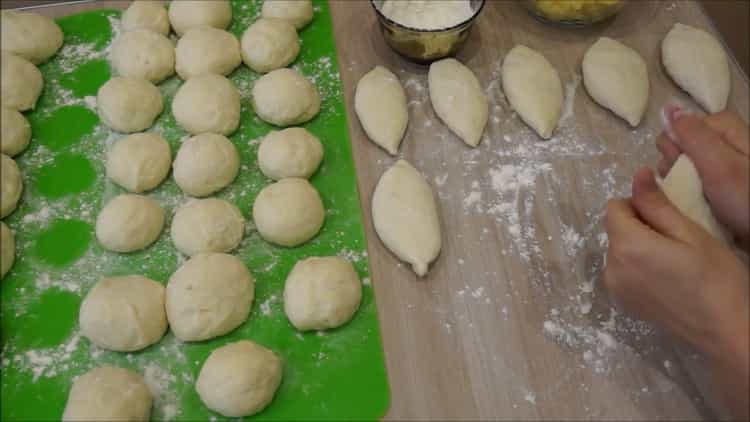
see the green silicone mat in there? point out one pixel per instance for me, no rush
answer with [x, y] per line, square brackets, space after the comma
[335, 375]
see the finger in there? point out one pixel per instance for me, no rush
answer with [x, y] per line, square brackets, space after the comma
[664, 167]
[668, 149]
[705, 146]
[627, 232]
[732, 128]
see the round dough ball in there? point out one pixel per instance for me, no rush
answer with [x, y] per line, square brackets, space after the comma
[298, 12]
[7, 249]
[15, 132]
[146, 14]
[124, 314]
[129, 105]
[292, 152]
[206, 164]
[129, 223]
[288, 212]
[108, 393]
[187, 14]
[139, 162]
[269, 44]
[239, 379]
[207, 225]
[207, 103]
[204, 50]
[30, 35]
[21, 82]
[11, 185]
[209, 296]
[143, 54]
[284, 98]
[321, 293]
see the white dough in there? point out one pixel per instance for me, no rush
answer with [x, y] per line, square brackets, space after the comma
[146, 14]
[380, 103]
[11, 185]
[269, 44]
[207, 103]
[139, 162]
[15, 132]
[321, 293]
[458, 99]
[239, 379]
[30, 35]
[204, 49]
[124, 314]
[288, 212]
[21, 82]
[7, 249]
[205, 164]
[108, 393]
[187, 14]
[616, 77]
[207, 225]
[298, 12]
[209, 296]
[129, 223]
[698, 64]
[129, 105]
[533, 89]
[405, 216]
[292, 152]
[143, 54]
[284, 98]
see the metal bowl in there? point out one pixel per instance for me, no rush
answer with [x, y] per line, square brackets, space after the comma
[574, 12]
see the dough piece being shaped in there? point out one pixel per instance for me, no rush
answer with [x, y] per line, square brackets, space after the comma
[533, 89]
[207, 103]
[284, 98]
[15, 132]
[405, 216]
[11, 185]
[139, 162]
[146, 14]
[616, 77]
[269, 44]
[288, 212]
[380, 103]
[292, 152]
[321, 293]
[124, 314]
[698, 64]
[205, 164]
[239, 379]
[143, 54]
[129, 105]
[129, 223]
[298, 12]
[7, 249]
[187, 14]
[21, 82]
[209, 296]
[30, 35]
[458, 99]
[207, 225]
[108, 393]
[204, 49]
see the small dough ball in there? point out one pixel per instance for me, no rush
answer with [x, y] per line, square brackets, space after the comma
[207, 103]
[187, 14]
[30, 35]
[206, 164]
[288, 212]
[321, 293]
[292, 152]
[284, 98]
[7, 249]
[143, 54]
[269, 44]
[298, 12]
[108, 393]
[124, 314]
[16, 132]
[139, 162]
[207, 225]
[129, 223]
[209, 296]
[11, 185]
[239, 379]
[204, 50]
[146, 14]
[21, 82]
[129, 105]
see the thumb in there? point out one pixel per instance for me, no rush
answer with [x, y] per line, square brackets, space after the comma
[704, 145]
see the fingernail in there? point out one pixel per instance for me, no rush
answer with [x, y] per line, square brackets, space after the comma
[670, 113]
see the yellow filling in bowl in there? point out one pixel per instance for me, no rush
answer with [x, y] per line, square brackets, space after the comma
[585, 10]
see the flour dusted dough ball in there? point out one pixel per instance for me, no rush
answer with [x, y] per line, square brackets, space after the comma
[15, 132]
[288, 212]
[209, 296]
[21, 82]
[129, 223]
[146, 14]
[30, 35]
[124, 314]
[11, 185]
[292, 152]
[298, 12]
[143, 54]
[206, 164]
[108, 393]
[207, 225]
[7, 249]
[269, 44]
[187, 14]
[204, 49]
[207, 103]
[284, 98]
[129, 105]
[139, 162]
[239, 379]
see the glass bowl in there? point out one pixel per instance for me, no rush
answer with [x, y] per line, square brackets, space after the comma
[574, 12]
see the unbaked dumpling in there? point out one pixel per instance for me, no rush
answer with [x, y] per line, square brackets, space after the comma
[139, 162]
[108, 393]
[145, 54]
[30, 35]
[7, 249]
[11, 185]
[129, 223]
[380, 103]
[129, 105]
[204, 49]
[207, 103]
[21, 84]
[284, 98]
[146, 14]
[187, 14]
[15, 132]
[298, 12]
[292, 152]
[288, 212]
[269, 44]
